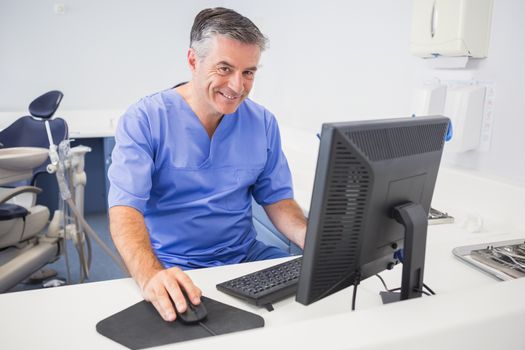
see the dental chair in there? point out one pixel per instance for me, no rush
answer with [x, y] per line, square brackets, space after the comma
[24, 154]
[29, 147]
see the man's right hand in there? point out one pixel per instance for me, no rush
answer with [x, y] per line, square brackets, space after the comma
[158, 285]
[164, 290]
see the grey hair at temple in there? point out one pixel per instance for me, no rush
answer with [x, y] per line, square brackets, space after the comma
[222, 21]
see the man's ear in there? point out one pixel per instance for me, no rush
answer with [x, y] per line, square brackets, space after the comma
[192, 59]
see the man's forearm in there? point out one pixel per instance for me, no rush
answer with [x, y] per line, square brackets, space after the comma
[131, 238]
[162, 287]
[288, 218]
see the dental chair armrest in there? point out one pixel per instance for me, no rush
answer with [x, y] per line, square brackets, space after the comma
[7, 195]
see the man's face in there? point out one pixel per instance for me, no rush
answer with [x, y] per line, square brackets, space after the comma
[224, 77]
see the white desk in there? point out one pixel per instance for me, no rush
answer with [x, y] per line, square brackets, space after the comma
[471, 309]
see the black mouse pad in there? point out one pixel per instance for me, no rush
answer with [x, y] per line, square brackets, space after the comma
[140, 326]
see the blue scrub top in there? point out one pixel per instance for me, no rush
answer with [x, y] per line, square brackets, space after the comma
[195, 192]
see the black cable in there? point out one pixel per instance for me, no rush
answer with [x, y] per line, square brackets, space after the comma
[357, 280]
[354, 294]
[428, 288]
[421, 291]
[383, 281]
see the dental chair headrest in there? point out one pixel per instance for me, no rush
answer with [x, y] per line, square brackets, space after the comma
[46, 105]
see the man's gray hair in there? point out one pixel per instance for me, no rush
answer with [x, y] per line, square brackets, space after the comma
[222, 21]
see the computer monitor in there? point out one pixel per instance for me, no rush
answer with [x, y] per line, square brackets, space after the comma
[371, 197]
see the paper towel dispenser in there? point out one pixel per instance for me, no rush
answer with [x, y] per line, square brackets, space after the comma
[451, 27]
[464, 106]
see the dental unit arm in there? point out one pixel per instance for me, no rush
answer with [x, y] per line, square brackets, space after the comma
[25, 247]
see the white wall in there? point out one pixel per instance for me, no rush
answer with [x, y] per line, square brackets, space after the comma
[101, 53]
[328, 61]
[336, 61]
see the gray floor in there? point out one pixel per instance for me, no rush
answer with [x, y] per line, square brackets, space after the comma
[102, 266]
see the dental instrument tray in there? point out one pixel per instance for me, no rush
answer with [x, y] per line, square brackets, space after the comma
[504, 260]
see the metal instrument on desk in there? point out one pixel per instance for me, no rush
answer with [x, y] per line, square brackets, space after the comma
[436, 217]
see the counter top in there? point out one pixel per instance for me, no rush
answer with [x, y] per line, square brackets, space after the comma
[81, 123]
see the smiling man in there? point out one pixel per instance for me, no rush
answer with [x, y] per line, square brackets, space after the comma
[187, 162]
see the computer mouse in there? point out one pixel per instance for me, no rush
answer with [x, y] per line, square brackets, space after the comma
[193, 313]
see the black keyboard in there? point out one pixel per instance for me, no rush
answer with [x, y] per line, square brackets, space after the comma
[264, 287]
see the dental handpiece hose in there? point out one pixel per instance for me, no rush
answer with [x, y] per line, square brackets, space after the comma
[66, 196]
[93, 235]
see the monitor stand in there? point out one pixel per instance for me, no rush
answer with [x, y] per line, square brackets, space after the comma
[415, 220]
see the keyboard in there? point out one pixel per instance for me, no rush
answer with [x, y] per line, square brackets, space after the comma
[264, 287]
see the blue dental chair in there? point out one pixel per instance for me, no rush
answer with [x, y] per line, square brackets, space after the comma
[24, 144]
[30, 131]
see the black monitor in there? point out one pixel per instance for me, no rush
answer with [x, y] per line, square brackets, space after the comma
[371, 197]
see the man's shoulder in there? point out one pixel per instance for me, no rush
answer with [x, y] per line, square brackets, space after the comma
[255, 110]
[161, 99]
[151, 105]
